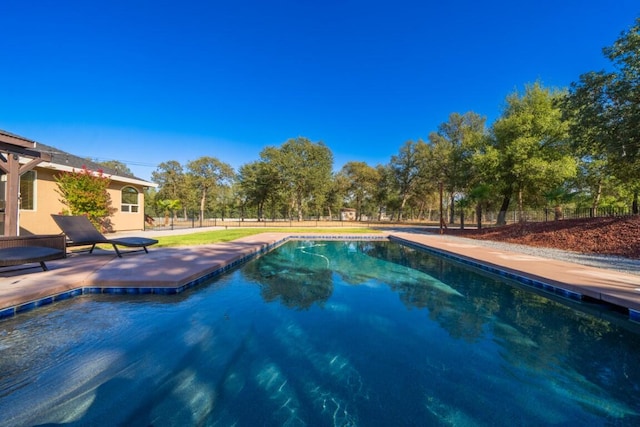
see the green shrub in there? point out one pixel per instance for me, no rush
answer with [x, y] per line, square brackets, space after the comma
[84, 192]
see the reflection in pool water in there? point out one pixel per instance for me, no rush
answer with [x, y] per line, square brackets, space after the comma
[323, 333]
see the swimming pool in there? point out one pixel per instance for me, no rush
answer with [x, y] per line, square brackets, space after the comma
[323, 333]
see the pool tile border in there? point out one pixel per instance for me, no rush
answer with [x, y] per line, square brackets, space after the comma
[146, 290]
[173, 290]
[142, 290]
[528, 281]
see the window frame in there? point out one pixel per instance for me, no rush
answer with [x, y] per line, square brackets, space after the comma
[132, 208]
[33, 193]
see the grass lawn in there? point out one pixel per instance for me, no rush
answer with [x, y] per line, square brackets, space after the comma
[217, 236]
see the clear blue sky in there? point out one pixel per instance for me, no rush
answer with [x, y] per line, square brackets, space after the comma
[145, 82]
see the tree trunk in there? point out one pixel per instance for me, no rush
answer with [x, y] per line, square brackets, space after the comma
[299, 208]
[557, 213]
[635, 202]
[404, 201]
[452, 213]
[596, 200]
[520, 206]
[203, 200]
[479, 215]
[421, 210]
[502, 215]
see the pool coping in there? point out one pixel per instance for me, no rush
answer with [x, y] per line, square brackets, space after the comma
[520, 278]
[569, 280]
[169, 271]
[231, 259]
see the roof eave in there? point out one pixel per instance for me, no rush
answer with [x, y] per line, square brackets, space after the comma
[113, 177]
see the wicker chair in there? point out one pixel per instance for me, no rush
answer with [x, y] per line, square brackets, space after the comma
[18, 250]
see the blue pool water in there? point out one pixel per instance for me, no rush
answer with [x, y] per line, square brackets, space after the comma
[324, 334]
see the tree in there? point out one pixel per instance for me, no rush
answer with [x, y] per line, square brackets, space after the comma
[172, 183]
[259, 183]
[531, 146]
[170, 179]
[480, 194]
[453, 147]
[383, 194]
[557, 197]
[409, 169]
[150, 194]
[624, 93]
[483, 186]
[361, 182]
[588, 112]
[118, 166]
[604, 108]
[167, 206]
[84, 192]
[336, 195]
[227, 200]
[206, 174]
[305, 171]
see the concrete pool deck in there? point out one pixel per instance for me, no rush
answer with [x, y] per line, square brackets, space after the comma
[170, 270]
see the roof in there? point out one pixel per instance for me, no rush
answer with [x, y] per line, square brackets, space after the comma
[63, 158]
[64, 161]
[17, 140]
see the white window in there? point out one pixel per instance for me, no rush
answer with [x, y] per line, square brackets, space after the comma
[129, 200]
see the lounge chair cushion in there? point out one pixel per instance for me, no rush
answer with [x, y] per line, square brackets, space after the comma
[81, 232]
[133, 241]
[28, 254]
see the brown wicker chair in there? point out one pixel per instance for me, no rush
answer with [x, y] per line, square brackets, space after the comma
[18, 250]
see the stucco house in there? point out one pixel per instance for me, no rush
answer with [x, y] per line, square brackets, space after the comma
[38, 198]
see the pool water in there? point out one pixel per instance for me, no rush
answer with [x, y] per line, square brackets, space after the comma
[322, 333]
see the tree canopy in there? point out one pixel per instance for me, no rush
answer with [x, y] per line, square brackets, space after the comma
[549, 147]
[304, 170]
[530, 142]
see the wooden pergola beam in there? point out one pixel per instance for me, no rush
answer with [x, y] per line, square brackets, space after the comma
[13, 148]
[15, 140]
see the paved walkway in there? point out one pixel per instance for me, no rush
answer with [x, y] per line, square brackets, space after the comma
[610, 286]
[168, 270]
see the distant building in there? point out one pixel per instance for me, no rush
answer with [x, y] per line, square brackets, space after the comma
[347, 214]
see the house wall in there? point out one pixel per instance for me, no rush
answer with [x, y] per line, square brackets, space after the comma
[39, 221]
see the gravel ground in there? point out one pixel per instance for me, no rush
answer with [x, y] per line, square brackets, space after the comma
[609, 262]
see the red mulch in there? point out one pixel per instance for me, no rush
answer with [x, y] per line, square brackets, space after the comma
[611, 235]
